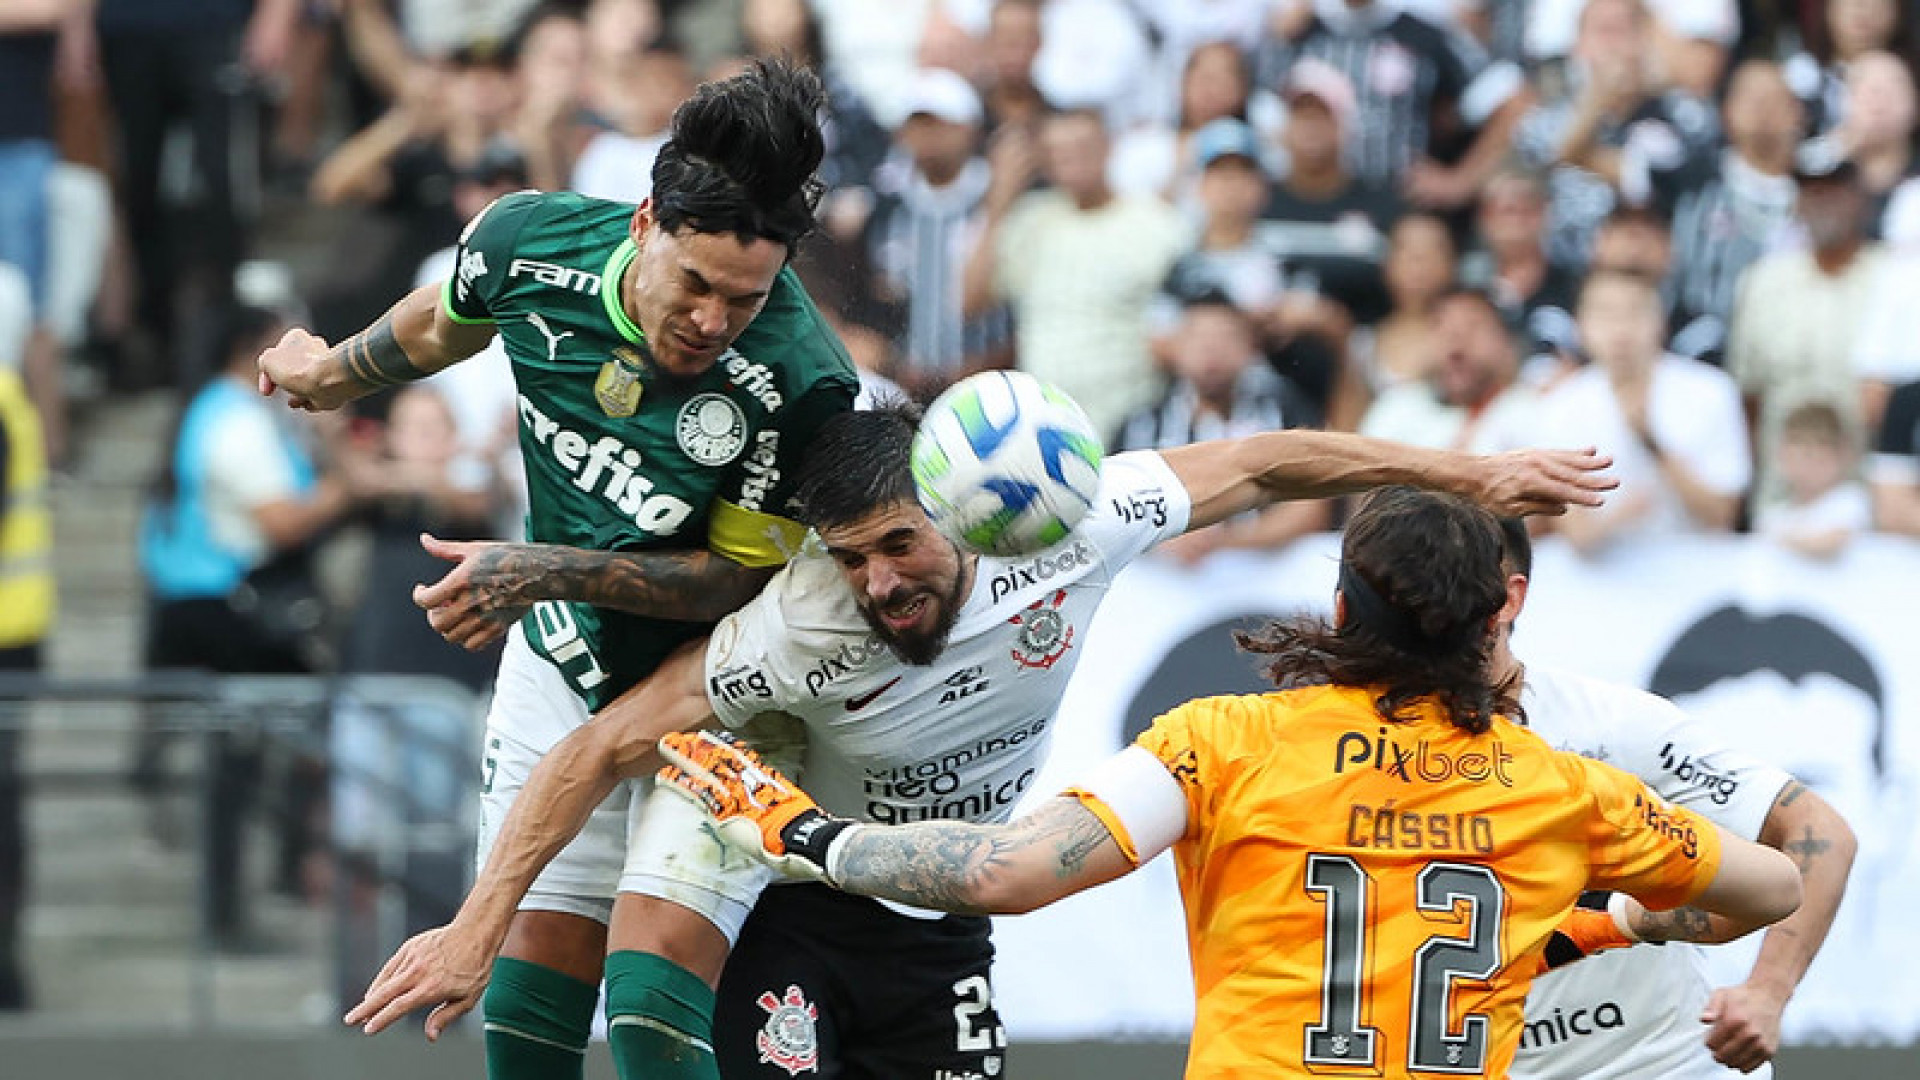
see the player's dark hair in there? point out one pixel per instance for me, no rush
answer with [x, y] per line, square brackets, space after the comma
[859, 461]
[1516, 547]
[742, 155]
[1422, 580]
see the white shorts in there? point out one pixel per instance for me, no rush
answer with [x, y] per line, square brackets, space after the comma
[640, 841]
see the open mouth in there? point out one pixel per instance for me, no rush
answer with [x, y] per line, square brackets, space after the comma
[903, 616]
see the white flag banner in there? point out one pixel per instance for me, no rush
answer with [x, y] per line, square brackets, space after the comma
[1812, 666]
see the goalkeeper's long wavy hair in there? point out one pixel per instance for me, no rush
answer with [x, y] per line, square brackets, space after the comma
[742, 154]
[1422, 578]
[858, 462]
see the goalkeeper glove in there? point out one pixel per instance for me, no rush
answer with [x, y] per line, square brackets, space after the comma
[755, 807]
[1597, 923]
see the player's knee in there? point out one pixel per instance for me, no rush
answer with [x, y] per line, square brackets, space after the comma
[532, 1001]
[655, 990]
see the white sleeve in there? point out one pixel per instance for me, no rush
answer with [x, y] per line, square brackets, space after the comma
[1141, 502]
[1687, 764]
[246, 461]
[752, 664]
[1143, 798]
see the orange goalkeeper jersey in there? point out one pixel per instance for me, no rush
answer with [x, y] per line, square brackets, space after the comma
[1366, 898]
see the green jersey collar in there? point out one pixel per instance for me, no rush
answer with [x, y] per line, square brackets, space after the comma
[610, 279]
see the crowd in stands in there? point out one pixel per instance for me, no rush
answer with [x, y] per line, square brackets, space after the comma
[1686, 232]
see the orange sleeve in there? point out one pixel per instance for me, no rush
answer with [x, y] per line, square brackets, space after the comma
[1640, 844]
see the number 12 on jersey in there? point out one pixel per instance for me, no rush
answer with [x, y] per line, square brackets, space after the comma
[1339, 1039]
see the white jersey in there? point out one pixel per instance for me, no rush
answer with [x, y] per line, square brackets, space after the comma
[963, 737]
[1635, 1012]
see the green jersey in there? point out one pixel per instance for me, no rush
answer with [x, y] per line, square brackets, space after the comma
[618, 456]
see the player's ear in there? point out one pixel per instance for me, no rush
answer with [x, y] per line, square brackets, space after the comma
[641, 223]
[1339, 609]
[1516, 599]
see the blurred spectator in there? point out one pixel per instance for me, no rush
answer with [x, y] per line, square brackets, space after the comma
[1239, 255]
[856, 142]
[1077, 263]
[1162, 159]
[1846, 30]
[1179, 28]
[1534, 296]
[1012, 45]
[1693, 41]
[1793, 334]
[550, 64]
[1420, 266]
[1824, 506]
[1878, 131]
[1423, 92]
[479, 390]
[1331, 225]
[405, 766]
[1223, 389]
[187, 63]
[1613, 124]
[1895, 469]
[1727, 211]
[416, 478]
[1473, 400]
[26, 618]
[928, 216]
[28, 40]
[1229, 253]
[634, 96]
[1636, 240]
[448, 117]
[1095, 54]
[226, 550]
[1673, 426]
[874, 45]
[437, 27]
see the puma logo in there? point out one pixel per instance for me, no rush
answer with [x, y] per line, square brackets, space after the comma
[538, 322]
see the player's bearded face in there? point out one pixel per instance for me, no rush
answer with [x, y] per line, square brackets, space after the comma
[909, 580]
[692, 293]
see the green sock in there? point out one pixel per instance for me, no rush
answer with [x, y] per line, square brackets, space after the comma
[659, 1019]
[538, 1022]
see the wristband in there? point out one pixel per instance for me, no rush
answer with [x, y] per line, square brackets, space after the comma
[1617, 907]
[811, 836]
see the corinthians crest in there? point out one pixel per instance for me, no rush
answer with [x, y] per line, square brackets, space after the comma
[1044, 634]
[788, 1039]
[617, 388]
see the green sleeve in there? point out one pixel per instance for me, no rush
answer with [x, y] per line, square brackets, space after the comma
[482, 257]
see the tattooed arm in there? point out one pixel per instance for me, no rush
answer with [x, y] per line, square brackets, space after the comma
[1809, 831]
[1745, 1019]
[493, 585]
[1060, 849]
[411, 341]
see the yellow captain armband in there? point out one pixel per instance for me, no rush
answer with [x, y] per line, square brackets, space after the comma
[752, 538]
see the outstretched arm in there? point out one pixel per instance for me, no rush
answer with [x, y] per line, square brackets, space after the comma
[414, 339]
[448, 967]
[1061, 848]
[493, 584]
[1227, 477]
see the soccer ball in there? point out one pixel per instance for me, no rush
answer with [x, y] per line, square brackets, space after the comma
[1005, 464]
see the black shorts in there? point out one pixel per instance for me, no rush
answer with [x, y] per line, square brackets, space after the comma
[840, 986]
